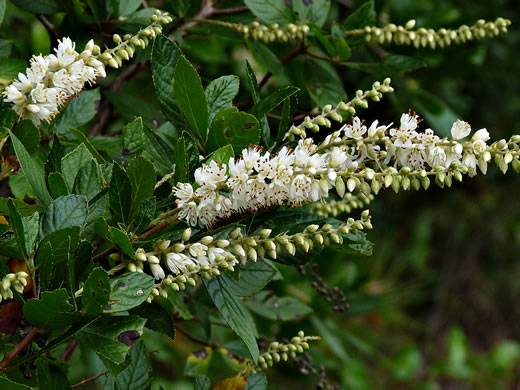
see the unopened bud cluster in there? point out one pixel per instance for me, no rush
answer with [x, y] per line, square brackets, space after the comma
[341, 112]
[422, 37]
[277, 352]
[272, 33]
[346, 205]
[11, 281]
[127, 45]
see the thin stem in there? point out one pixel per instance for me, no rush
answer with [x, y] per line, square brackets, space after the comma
[19, 348]
[69, 350]
[230, 11]
[93, 378]
[194, 339]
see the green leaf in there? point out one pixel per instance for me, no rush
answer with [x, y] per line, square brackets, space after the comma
[287, 112]
[78, 112]
[181, 161]
[130, 104]
[314, 11]
[89, 181]
[234, 312]
[72, 163]
[25, 229]
[53, 163]
[202, 382]
[120, 195]
[28, 134]
[274, 308]
[158, 318]
[390, 65]
[121, 239]
[84, 140]
[253, 278]
[128, 7]
[198, 362]
[142, 179]
[165, 54]
[8, 118]
[107, 334]
[50, 375]
[129, 291]
[231, 127]
[133, 136]
[220, 94]
[271, 11]
[64, 212]
[96, 292]
[57, 185]
[51, 311]
[9, 69]
[6, 383]
[191, 97]
[256, 382]
[136, 375]
[2, 10]
[323, 83]
[272, 101]
[361, 17]
[222, 155]
[60, 241]
[252, 83]
[354, 244]
[159, 152]
[33, 171]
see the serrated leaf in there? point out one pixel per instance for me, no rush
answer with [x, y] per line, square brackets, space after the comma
[50, 375]
[133, 136]
[136, 375]
[84, 140]
[191, 97]
[9, 69]
[275, 308]
[120, 195]
[256, 382]
[59, 241]
[271, 11]
[165, 54]
[106, 335]
[25, 229]
[72, 163]
[79, 111]
[57, 185]
[363, 16]
[28, 134]
[6, 383]
[159, 152]
[231, 127]
[33, 171]
[202, 382]
[314, 11]
[63, 212]
[323, 83]
[390, 65]
[142, 179]
[222, 155]
[89, 181]
[233, 312]
[129, 291]
[8, 118]
[253, 277]
[53, 163]
[158, 318]
[51, 311]
[272, 101]
[220, 94]
[96, 292]
[287, 112]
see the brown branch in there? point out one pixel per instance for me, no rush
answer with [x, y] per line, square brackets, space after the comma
[206, 10]
[230, 11]
[53, 33]
[155, 229]
[292, 55]
[105, 253]
[194, 339]
[69, 350]
[92, 378]
[19, 348]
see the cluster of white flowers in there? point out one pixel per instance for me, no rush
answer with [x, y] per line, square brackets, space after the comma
[52, 80]
[12, 281]
[256, 181]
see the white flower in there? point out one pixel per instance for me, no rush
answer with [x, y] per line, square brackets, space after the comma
[337, 157]
[437, 157]
[479, 146]
[183, 192]
[403, 137]
[460, 129]
[428, 139]
[470, 161]
[408, 122]
[211, 175]
[481, 134]
[356, 130]
[178, 262]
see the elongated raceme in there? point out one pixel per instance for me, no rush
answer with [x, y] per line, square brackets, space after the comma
[12, 282]
[357, 157]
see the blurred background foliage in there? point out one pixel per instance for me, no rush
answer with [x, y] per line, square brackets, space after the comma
[435, 306]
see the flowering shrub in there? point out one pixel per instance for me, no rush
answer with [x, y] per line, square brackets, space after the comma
[173, 210]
